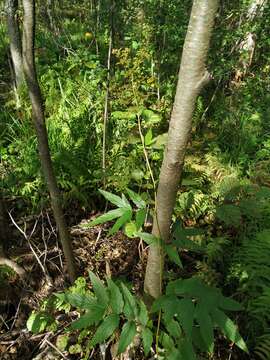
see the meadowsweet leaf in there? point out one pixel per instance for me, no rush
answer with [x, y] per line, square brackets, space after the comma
[173, 255]
[228, 328]
[127, 335]
[186, 350]
[105, 329]
[147, 338]
[126, 217]
[143, 313]
[206, 326]
[140, 217]
[130, 307]
[114, 199]
[110, 215]
[116, 298]
[138, 201]
[88, 319]
[99, 290]
[185, 312]
[84, 302]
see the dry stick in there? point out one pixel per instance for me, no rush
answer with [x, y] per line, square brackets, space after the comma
[106, 110]
[41, 131]
[56, 349]
[27, 238]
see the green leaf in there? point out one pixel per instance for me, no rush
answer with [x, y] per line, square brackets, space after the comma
[99, 290]
[147, 338]
[138, 201]
[130, 229]
[126, 217]
[130, 307]
[229, 304]
[127, 335]
[105, 329]
[148, 137]
[148, 238]
[140, 217]
[88, 319]
[37, 322]
[116, 298]
[84, 302]
[173, 255]
[166, 303]
[229, 328]
[173, 328]
[187, 350]
[206, 326]
[62, 342]
[110, 215]
[185, 311]
[114, 199]
[143, 313]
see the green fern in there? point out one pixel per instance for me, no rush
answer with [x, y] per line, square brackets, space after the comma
[262, 349]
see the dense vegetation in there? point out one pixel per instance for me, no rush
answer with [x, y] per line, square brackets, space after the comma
[108, 72]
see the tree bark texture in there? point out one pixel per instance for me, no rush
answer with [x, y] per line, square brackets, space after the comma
[11, 7]
[41, 131]
[192, 77]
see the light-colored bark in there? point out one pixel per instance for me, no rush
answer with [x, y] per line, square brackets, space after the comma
[41, 131]
[192, 77]
[11, 8]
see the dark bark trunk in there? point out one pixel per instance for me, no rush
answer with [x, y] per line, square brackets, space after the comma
[41, 131]
[192, 77]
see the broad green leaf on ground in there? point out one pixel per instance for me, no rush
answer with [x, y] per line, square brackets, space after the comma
[147, 338]
[127, 335]
[99, 290]
[105, 329]
[116, 298]
[37, 322]
[228, 328]
[130, 229]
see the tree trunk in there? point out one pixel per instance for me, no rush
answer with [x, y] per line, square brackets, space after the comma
[41, 131]
[11, 7]
[192, 77]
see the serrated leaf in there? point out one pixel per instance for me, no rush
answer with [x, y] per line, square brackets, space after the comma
[114, 199]
[148, 137]
[229, 214]
[99, 290]
[206, 326]
[228, 328]
[143, 313]
[110, 215]
[148, 238]
[130, 229]
[116, 298]
[147, 338]
[173, 255]
[166, 341]
[166, 303]
[130, 307]
[185, 313]
[140, 217]
[173, 328]
[105, 329]
[126, 217]
[137, 200]
[127, 335]
[88, 319]
[84, 302]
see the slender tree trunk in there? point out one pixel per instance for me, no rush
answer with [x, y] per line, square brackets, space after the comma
[192, 77]
[39, 123]
[11, 8]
